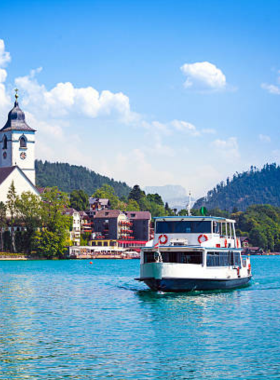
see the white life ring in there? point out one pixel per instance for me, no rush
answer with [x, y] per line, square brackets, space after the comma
[163, 239]
[202, 238]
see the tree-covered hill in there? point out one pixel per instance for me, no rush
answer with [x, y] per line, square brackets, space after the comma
[244, 189]
[71, 177]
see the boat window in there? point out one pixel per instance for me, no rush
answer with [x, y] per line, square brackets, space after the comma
[186, 257]
[149, 257]
[236, 259]
[223, 259]
[216, 227]
[182, 227]
[219, 259]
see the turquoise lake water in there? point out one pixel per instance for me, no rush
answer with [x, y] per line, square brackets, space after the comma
[73, 320]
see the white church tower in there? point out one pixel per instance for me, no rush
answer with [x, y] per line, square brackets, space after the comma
[17, 143]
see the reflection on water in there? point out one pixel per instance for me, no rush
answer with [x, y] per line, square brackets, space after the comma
[72, 320]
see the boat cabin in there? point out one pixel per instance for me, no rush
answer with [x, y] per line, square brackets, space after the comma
[196, 231]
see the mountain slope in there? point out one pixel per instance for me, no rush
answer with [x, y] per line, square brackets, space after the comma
[71, 177]
[247, 188]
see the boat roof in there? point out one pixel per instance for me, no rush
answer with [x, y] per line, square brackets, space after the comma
[193, 218]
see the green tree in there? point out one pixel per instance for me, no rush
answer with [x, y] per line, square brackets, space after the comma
[168, 210]
[12, 212]
[136, 194]
[144, 204]
[29, 210]
[183, 212]
[85, 237]
[48, 244]
[258, 238]
[155, 198]
[132, 205]
[157, 210]
[51, 240]
[3, 223]
[79, 200]
[107, 192]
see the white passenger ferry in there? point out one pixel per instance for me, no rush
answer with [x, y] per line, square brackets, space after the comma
[194, 253]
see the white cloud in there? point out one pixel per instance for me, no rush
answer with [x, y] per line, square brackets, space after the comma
[209, 131]
[4, 98]
[64, 100]
[4, 55]
[271, 88]
[155, 127]
[203, 75]
[137, 168]
[264, 138]
[170, 127]
[3, 75]
[228, 148]
[51, 128]
[184, 126]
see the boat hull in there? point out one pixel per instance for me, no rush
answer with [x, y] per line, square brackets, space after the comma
[183, 284]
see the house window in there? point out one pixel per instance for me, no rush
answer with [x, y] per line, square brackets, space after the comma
[5, 142]
[22, 142]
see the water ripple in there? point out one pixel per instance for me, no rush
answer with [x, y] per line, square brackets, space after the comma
[72, 320]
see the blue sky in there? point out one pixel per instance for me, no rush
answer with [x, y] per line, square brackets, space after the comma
[147, 92]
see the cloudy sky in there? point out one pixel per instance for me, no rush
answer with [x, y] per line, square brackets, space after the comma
[148, 92]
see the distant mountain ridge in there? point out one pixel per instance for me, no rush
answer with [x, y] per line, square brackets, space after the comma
[71, 177]
[175, 195]
[244, 189]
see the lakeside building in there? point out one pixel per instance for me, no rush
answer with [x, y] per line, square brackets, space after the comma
[17, 154]
[111, 224]
[75, 230]
[114, 228]
[141, 223]
[86, 223]
[98, 204]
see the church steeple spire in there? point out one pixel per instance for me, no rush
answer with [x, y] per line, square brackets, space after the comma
[16, 119]
[16, 96]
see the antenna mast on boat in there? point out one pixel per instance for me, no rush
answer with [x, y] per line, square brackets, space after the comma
[189, 205]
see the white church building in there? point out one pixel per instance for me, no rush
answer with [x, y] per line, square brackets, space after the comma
[17, 154]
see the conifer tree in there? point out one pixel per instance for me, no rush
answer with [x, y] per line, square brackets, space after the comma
[12, 212]
[3, 223]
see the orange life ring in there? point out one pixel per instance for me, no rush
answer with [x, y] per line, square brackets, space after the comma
[238, 271]
[225, 243]
[204, 237]
[237, 243]
[165, 239]
[249, 267]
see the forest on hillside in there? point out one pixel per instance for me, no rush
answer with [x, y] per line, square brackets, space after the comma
[71, 177]
[255, 186]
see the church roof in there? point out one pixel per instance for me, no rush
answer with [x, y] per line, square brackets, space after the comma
[16, 120]
[5, 172]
